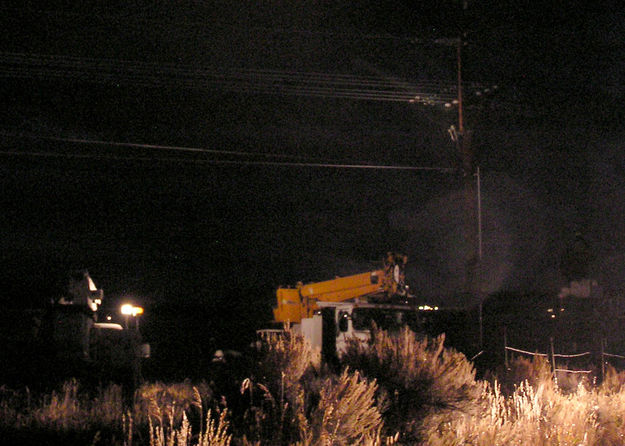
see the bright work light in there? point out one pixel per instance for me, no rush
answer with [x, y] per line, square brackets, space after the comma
[131, 310]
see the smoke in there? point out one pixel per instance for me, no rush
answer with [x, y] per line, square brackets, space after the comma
[605, 205]
[515, 240]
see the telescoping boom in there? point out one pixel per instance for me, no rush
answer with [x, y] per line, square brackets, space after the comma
[295, 304]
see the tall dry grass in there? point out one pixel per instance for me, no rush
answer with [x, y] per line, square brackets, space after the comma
[537, 412]
[536, 416]
[178, 414]
[535, 370]
[160, 416]
[164, 432]
[65, 409]
[411, 387]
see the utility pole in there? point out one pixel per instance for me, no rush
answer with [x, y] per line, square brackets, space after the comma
[473, 282]
[462, 137]
[472, 215]
[472, 211]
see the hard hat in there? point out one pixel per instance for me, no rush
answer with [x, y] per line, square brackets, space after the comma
[218, 356]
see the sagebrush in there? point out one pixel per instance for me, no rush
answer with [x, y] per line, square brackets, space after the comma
[398, 389]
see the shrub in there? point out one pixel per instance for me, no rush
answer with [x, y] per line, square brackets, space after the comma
[283, 362]
[534, 371]
[279, 393]
[61, 409]
[346, 413]
[13, 407]
[418, 375]
[295, 402]
[153, 400]
[614, 381]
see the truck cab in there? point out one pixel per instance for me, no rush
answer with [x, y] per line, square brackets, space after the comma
[334, 324]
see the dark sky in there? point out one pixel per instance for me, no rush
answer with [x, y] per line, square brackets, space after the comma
[102, 104]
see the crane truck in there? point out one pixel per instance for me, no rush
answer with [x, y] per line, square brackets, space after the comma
[331, 312]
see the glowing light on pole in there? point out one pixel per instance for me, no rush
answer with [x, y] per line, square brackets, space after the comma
[130, 310]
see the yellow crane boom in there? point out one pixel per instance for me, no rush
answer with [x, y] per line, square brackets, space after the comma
[293, 304]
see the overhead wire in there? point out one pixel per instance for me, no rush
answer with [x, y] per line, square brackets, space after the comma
[73, 155]
[298, 83]
[238, 80]
[161, 147]
[275, 82]
[120, 72]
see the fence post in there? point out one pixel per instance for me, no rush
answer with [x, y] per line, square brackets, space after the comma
[505, 347]
[553, 362]
[603, 359]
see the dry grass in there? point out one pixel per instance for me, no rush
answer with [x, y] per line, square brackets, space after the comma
[534, 371]
[168, 409]
[536, 416]
[404, 384]
[166, 433]
[65, 409]
[283, 362]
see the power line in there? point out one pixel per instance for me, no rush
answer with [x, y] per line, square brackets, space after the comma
[151, 146]
[49, 154]
[314, 160]
[226, 162]
[298, 83]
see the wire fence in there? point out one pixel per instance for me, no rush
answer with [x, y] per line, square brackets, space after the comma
[555, 359]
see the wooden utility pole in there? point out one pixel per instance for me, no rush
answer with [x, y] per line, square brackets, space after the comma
[463, 143]
[472, 213]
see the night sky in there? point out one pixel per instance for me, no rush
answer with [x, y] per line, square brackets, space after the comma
[106, 106]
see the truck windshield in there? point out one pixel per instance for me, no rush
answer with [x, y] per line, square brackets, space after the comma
[385, 318]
